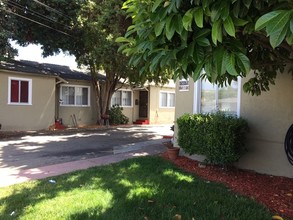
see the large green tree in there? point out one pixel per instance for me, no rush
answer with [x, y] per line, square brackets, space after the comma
[226, 39]
[6, 27]
[85, 29]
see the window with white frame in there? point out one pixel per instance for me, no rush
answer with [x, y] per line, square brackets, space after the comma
[20, 91]
[122, 98]
[167, 99]
[214, 98]
[75, 95]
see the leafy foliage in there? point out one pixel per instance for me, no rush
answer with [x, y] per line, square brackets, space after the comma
[116, 116]
[85, 29]
[277, 25]
[6, 27]
[225, 38]
[220, 137]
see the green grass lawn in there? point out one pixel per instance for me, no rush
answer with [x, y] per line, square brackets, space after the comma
[133, 189]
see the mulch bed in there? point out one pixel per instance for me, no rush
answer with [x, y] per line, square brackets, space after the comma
[274, 192]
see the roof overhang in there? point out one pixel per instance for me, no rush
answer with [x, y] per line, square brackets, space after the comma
[61, 80]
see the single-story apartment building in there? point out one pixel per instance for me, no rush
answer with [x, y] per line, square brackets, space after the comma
[34, 96]
[269, 117]
[150, 104]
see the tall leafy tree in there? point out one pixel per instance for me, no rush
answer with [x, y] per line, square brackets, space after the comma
[6, 29]
[100, 22]
[225, 38]
[85, 29]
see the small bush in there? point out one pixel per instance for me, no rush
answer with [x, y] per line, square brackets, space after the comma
[219, 137]
[116, 116]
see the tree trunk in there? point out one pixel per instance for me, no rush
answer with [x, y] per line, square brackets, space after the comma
[104, 94]
[104, 98]
[97, 94]
[104, 91]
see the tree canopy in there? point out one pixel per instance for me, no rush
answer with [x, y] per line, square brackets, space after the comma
[85, 29]
[226, 39]
[6, 26]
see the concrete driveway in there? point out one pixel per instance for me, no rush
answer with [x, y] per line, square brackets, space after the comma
[41, 150]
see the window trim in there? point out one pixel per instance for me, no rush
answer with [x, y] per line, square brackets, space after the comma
[168, 93]
[75, 86]
[131, 100]
[29, 91]
[197, 97]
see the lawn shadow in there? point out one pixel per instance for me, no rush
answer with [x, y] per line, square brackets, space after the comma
[134, 189]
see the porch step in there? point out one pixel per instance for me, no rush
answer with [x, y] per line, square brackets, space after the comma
[141, 122]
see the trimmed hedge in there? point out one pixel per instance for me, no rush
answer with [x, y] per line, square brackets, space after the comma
[219, 137]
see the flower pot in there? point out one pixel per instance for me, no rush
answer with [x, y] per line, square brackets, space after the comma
[173, 152]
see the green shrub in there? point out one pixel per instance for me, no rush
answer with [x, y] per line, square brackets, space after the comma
[219, 137]
[116, 115]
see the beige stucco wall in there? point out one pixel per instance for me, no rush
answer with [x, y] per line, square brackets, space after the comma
[39, 115]
[135, 109]
[157, 114]
[184, 99]
[84, 115]
[269, 116]
[184, 103]
[128, 112]
[132, 111]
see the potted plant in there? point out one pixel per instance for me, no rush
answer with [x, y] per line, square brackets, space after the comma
[172, 151]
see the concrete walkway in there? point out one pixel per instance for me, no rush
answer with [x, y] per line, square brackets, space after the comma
[14, 176]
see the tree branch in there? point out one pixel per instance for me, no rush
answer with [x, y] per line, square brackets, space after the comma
[265, 43]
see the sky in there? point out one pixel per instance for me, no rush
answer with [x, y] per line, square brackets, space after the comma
[34, 53]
